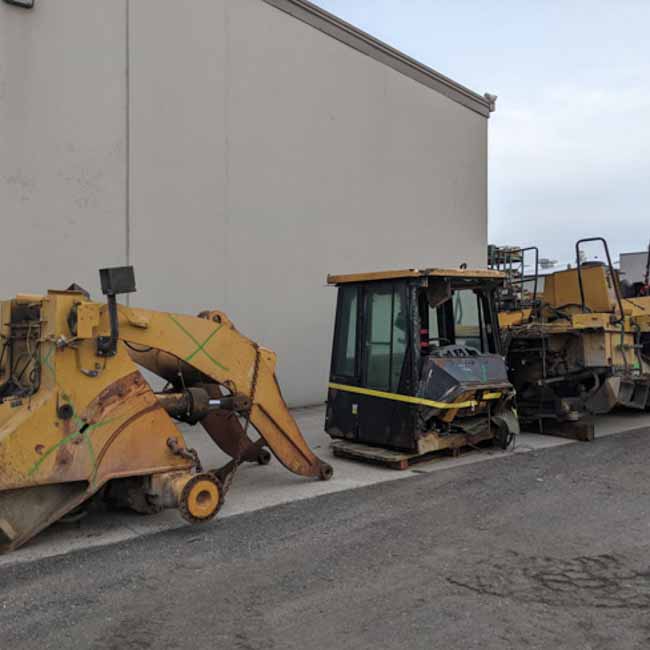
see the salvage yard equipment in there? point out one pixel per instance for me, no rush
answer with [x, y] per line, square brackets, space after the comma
[416, 365]
[518, 294]
[79, 422]
[581, 352]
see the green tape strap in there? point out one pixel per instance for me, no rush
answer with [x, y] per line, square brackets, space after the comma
[69, 438]
[200, 347]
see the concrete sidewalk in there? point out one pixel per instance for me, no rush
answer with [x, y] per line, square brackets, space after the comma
[258, 487]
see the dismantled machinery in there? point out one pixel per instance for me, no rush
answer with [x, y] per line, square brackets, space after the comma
[580, 351]
[518, 294]
[417, 365]
[78, 420]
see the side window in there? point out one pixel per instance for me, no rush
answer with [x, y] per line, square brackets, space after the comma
[378, 330]
[345, 344]
[435, 339]
[467, 319]
[490, 322]
[385, 337]
[399, 339]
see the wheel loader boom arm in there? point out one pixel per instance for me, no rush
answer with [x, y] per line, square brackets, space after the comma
[209, 349]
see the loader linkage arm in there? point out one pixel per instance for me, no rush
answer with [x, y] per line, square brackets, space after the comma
[208, 351]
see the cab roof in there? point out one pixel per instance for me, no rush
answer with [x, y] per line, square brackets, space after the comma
[470, 274]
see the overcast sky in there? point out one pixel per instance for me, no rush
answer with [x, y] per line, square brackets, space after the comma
[570, 140]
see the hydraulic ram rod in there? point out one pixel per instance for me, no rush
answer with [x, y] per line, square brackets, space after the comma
[194, 404]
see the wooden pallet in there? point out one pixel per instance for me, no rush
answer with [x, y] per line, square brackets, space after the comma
[394, 459]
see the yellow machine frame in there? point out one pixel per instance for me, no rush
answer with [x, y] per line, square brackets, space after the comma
[84, 423]
[580, 350]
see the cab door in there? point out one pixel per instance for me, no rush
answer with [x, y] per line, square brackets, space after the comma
[385, 337]
[342, 406]
[371, 352]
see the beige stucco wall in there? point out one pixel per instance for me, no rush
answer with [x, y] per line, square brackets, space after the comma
[62, 143]
[263, 155]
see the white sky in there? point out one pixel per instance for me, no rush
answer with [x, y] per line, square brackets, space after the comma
[570, 140]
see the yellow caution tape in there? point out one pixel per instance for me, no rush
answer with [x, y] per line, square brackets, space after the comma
[413, 400]
[492, 395]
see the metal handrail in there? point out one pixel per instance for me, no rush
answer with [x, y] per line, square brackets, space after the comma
[523, 269]
[617, 289]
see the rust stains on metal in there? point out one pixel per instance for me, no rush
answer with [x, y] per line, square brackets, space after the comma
[63, 456]
[113, 396]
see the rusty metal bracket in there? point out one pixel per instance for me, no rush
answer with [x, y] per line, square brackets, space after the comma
[185, 452]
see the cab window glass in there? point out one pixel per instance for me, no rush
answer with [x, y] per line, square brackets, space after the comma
[380, 307]
[434, 337]
[467, 319]
[346, 332]
[399, 340]
[385, 337]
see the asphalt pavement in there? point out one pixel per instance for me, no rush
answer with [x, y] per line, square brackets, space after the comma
[258, 487]
[548, 549]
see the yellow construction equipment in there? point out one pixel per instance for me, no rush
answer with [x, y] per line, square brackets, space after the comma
[78, 420]
[417, 365]
[581, 349]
